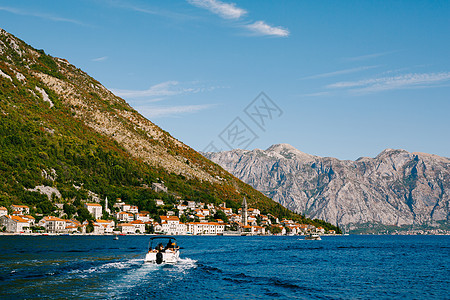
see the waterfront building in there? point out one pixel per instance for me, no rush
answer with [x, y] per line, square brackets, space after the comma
[108, 225]
[171, 225]
[207, 228]
[15, 224]
[127, 228]
[98, 229]
[94, 209]
[53, 224]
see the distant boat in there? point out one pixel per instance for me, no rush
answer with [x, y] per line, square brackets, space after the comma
[313, 236]
[116, 237]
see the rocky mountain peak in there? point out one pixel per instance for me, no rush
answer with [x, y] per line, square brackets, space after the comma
[288, 152]
[396, 188]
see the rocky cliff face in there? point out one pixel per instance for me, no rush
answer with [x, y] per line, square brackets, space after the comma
[395, 188]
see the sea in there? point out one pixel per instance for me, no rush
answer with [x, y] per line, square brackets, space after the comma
[227, 267]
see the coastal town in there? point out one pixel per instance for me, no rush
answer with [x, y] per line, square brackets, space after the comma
[185, 218]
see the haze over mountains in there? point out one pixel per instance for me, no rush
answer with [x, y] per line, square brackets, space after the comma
[394, 188]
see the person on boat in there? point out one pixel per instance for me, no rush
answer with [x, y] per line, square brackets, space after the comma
[160, 247]
[169, 244]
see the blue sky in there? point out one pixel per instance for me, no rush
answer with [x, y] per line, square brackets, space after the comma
[348, 78]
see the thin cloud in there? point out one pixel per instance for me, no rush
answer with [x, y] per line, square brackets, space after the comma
[262, 28]
[160, 91]
[168, 111]
[103, 58]
[222, 9]
[407, 81]
[340, 72]
[151, 11]
[231, 12]
[368, 56]
[40, 15]
[168, 88]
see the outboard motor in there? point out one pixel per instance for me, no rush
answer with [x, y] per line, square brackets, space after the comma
[159, 258]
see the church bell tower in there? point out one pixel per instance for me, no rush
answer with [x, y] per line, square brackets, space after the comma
[244, 212]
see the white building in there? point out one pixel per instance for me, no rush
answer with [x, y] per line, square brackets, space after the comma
[207, 228]
[108, 225]
[124, 216]
[139, 225]
[133, 209]
[3, 211]
[159, 202]
[21, 209]
[53, 224]
[254, 212]
[142, 217]
[98, 229]
[127, 228]
[159, 187]
[171, 225]
[94, 209]
[15, 224]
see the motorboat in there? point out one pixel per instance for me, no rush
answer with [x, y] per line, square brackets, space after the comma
[313, 236]
[115, 238]
[162, 250]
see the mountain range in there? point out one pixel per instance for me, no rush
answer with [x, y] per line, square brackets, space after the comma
[394, 189]
[65, 138]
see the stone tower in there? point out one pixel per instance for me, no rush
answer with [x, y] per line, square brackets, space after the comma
[244, 212]
[106, 206]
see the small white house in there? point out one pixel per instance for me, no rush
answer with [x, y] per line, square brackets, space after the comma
[142, 217]
[139, 225]
[3, 211]
[21, 209]
[159, 187]
[124, 216]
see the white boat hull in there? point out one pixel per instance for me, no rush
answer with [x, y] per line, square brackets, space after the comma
[167, 257]
[315, 237]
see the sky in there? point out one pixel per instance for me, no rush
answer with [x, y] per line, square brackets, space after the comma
[332, 78]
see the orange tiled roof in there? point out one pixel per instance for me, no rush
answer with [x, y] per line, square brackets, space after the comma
[18, 219]
[21, 206]
[93, 204]
[137, 222]
[51, 218]
[169, 218]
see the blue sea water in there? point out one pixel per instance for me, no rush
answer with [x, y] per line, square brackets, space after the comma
[347, 267]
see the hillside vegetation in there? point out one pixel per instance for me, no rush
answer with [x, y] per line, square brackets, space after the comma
[61, 129]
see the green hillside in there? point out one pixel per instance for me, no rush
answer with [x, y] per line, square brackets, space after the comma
[83, 139]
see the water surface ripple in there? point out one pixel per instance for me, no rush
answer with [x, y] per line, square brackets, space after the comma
[349, 267]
